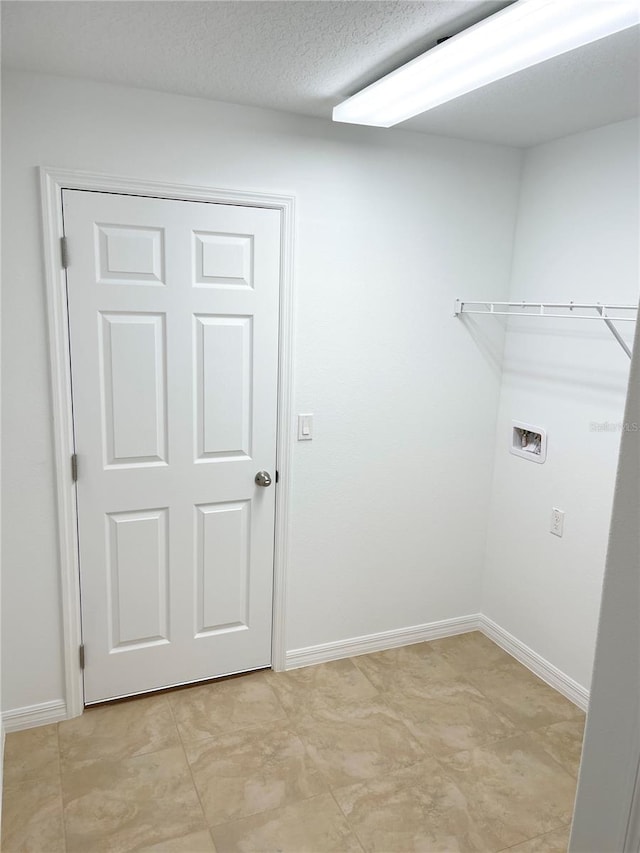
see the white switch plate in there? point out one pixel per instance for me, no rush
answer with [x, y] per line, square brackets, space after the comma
[305, 427]
[557, 522]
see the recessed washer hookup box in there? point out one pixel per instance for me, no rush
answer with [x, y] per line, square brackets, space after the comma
[529, 442]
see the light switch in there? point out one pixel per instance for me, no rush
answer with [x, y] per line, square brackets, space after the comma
[305, 427]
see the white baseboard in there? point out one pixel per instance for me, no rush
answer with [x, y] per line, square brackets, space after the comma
[34, 715]
[55, 711]
[381, 641]
[549, 673]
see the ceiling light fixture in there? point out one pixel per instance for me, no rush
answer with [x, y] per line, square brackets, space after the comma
[522, 35]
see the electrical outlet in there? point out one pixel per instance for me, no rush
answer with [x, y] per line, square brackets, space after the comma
[557, 522]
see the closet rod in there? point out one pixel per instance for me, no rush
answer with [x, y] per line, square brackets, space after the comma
[601, 312]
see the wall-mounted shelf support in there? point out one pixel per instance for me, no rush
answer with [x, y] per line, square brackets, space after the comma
[572, 311]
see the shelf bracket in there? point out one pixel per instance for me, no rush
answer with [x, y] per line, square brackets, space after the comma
[616, 334]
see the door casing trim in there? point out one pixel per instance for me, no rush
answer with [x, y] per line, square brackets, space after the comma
[52, 182]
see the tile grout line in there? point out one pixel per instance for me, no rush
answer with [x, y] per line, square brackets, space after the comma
[560, 765]
[64, 819]
[226, 732]
[520, 731]
[294, 728]
[289, 726]
[383, 695]
[499, 709]
[511, 660]
[268, 811]
[302, 739]
[380, 697]
[193, 781]
[460, 672]
[209, 828]
[354, 661]
[349, 824]
[535, 837]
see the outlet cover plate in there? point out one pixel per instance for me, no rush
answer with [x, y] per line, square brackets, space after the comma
[557, 522]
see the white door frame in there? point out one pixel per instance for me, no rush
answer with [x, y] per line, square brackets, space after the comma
[52, 182]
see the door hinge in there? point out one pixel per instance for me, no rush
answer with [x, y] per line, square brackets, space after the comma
[81, 655]
[64, 253]
[74, 467]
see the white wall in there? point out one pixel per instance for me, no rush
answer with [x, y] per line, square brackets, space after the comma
[2, 731]
[392, 226]
[611, 752]
[576, 239]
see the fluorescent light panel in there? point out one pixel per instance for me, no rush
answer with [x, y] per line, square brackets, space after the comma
[522, 35]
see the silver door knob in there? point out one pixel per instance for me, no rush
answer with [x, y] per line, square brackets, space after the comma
[263, 478]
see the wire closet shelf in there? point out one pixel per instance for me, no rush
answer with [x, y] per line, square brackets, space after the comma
[557, 310]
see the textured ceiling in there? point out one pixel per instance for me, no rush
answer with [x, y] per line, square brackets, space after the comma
[304, 57]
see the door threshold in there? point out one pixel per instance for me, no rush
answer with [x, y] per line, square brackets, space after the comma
[172, 688]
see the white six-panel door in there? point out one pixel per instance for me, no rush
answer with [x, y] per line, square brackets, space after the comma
[173, 321]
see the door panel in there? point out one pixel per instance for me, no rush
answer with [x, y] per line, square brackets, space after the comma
[128, 255]
[133, 352]
[223, 356]
[223, 566]
[223, 260]
[137, 565]
[173, 316]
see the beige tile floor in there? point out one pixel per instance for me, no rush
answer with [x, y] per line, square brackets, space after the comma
[442, 746]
